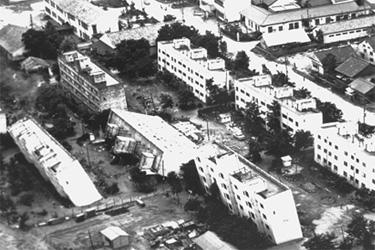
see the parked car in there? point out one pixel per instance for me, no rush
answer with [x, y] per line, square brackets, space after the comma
[239, 136]
[198, 13]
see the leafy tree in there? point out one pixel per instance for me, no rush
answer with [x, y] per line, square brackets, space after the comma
[365, 129]
[342, 184]
[138, 176]
[319, 36]
[279, 145]
[253, 121]
[208, 41]
[22, 221]
[176, 30]
[242, 61]
[191, 178]
[43, 43]
[362, 230]
[168, 79]
[26, 199]
[273, 118]
[329, 111]
[186, 99]
[174, 184]
[320, 242]
[302, 140]
[192, 204]
[280, 79]
[223, 48]
[67, 44]
[217, 94]
[366, 197]
[214, 191]
[301, 93]
[133, 58]
[166, 101]
[254, 151]
[329, 63]
[6, 203]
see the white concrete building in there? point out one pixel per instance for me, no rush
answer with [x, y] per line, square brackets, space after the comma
[366, 49]
[340, 148]
[90, 84]
[160, 147]
[192, 66]
[346, 29]
[85, 18]
[229, 10]
[296, 114]
[250, 192]
[54, 163]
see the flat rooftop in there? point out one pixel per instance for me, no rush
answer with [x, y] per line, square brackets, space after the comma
[252, 171]
[55, 161]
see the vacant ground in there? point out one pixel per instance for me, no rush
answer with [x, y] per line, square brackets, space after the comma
[159, 209]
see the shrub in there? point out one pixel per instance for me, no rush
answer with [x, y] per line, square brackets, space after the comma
[26, 199]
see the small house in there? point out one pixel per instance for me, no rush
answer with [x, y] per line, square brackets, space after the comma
[11, 44]
[287, 161]
[115, 237]
[225, 118]
[33, 64]
[355, 67]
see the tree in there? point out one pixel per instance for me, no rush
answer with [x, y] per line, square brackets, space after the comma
[176, 30]
[26, 199]
[254, 151]
[6, 203]
[174, 184]
[301, 93]
[320, 242]
[139, 177]
[366, 197]
[280, 79]
[133, 58]
[166, 101]
[193, 204]
[253, 121]
[279, 144]
[329, 110]
[273, 118]
[43, 43]
[191, 178]
[302, 140]
[362, 230]
[208, 41]
[22, 221]
[67, 44]
[242, 61]
[329, 63]
[214, 191]
[319, 36]
[186, 99]
[223, 48]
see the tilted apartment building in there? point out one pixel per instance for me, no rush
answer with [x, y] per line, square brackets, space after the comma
[54, 163]
[90, 84]
[160, 147]
[250, 192]
[296, 114]
[340, 148]
[85, 18]
[192, 66]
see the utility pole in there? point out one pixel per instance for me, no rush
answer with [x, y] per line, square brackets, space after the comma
[92, 244]
[364, 111]
[31, 22]
[208, 131]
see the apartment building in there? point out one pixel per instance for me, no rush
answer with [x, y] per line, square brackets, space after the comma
[268, 21]
[344, 151]
[54, 163]
[229, 11]
[296, 114]
[249, 192]
[160, 147]
[85, 18]
[366, 49]
[89, 83]
[192, 66]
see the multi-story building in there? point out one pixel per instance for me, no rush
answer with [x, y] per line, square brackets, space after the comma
[54, 163]
[296, 114]
[344, 151]
[89, 83]
[192, 66]
[250, 192]
[85, 18]
[366, 49]
[229, 11]
[268, 21]
[160, 147]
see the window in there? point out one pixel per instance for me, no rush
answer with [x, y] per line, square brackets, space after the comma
[264, 216]
[345, 164]
[357, 171]
[235, 187]
[204, 179]
[238, 197]
[230, 207]
[351, 167]
[267, 226]
[317, 21]
[319, 157]
[291, 26]
[270, 29]
[246, 193]
[357, 160]
[221, 176]
[296, 124]
[241, 207]
[352, 157]
[335, 157]
[335, 168]
[224, 186]
[227, 196]
[249, 204]
[319, 137]
[201, 169]
[280, 28]
[325, 150]
[345, 174]
[252, 214]
[319, 147]
[345, 153]
[363, 164]
[261, 205]
[336, 147]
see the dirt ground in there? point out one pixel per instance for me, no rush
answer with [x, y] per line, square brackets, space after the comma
[159, 209]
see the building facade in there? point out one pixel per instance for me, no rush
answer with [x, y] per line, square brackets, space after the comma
[265, 21]
[11, 45]
[340, 148]
[250, 192]
[229, 11]
[296, 114]
[159, 146]
[366, 49]
[54, 163]
[191, 66]
[90, 84]
[85, 18]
